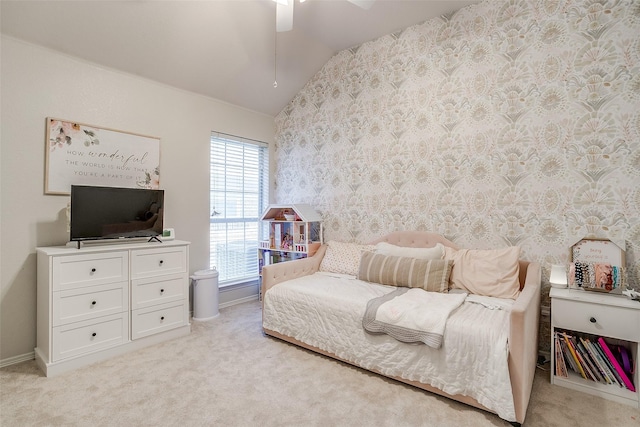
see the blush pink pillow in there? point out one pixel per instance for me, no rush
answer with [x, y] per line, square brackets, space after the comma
[491, 272]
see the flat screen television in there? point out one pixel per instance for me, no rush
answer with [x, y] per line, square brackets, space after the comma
[115, 213]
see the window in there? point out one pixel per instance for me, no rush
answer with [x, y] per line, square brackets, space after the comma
[239, 193]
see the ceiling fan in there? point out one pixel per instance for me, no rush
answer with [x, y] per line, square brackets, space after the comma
[284, 12]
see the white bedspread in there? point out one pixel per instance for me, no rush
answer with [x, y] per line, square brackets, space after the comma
[325, 310]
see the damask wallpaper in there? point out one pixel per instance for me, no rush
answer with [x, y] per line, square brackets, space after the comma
[506, 123]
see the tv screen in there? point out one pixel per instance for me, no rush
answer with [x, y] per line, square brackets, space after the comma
[115, 213]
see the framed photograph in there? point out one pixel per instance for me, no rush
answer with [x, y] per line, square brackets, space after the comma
[83, 154]
[597, 265]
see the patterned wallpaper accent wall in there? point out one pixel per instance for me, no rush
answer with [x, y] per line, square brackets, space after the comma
[505, 123]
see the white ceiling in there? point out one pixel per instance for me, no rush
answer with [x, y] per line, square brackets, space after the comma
[224, 49]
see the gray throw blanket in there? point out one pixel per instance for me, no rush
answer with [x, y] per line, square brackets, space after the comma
[411, 315]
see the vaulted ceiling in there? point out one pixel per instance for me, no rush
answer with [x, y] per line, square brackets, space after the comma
[225, 49]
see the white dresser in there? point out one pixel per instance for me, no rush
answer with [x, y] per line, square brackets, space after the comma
[592, 314]
[103, 300]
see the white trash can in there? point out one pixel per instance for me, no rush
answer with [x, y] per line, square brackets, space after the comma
[205, 294]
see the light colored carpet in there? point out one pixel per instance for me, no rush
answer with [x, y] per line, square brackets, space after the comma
[227, 373]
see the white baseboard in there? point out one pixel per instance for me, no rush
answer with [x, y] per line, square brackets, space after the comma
[239, 301]
[17, 359]
[238, 293]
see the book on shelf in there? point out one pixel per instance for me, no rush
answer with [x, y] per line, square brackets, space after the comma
[582, 360]
[567, 354]
[561, 367]
[574, 355]
[593, 359]
[587, 362]
[600, 365]
[625, 379]
[615, 376]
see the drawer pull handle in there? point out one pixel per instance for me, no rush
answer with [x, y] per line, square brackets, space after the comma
[161, 291]
[593, 320]
[94, 334]
[161, 262]
[94, 302]
[93, 270]
[162, 318]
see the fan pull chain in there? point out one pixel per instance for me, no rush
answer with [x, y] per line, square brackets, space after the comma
[275, 60]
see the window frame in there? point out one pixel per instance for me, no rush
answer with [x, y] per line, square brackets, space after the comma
[244, 162]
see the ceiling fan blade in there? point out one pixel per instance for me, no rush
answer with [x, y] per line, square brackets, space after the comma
[284, 17]
[365, 4]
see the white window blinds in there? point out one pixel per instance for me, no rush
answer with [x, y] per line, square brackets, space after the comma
[239, 194]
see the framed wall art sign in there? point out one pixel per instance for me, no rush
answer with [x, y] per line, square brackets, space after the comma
[82, 154]
[597, 265]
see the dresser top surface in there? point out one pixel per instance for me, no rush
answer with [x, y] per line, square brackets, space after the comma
[108, 247]
[593, 297]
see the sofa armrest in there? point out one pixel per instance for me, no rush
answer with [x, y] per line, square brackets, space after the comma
[275, 273]
[523, 339]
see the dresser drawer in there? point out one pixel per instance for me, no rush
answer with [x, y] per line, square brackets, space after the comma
[75, 305]
[151, 320]
[601, 320]
[85, 337]
[158, 290]
[71, 272]
[158, 261]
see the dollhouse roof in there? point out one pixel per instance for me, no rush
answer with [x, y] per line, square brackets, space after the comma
[303, 210]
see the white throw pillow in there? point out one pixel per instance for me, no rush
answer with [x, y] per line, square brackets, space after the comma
[492, 272]
[436, 252]
[343, 258]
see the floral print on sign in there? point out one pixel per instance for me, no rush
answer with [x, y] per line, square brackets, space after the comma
[63, 134]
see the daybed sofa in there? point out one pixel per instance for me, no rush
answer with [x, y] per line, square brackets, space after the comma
[488, 351]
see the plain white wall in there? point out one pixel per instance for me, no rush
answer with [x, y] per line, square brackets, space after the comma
[36, 83]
